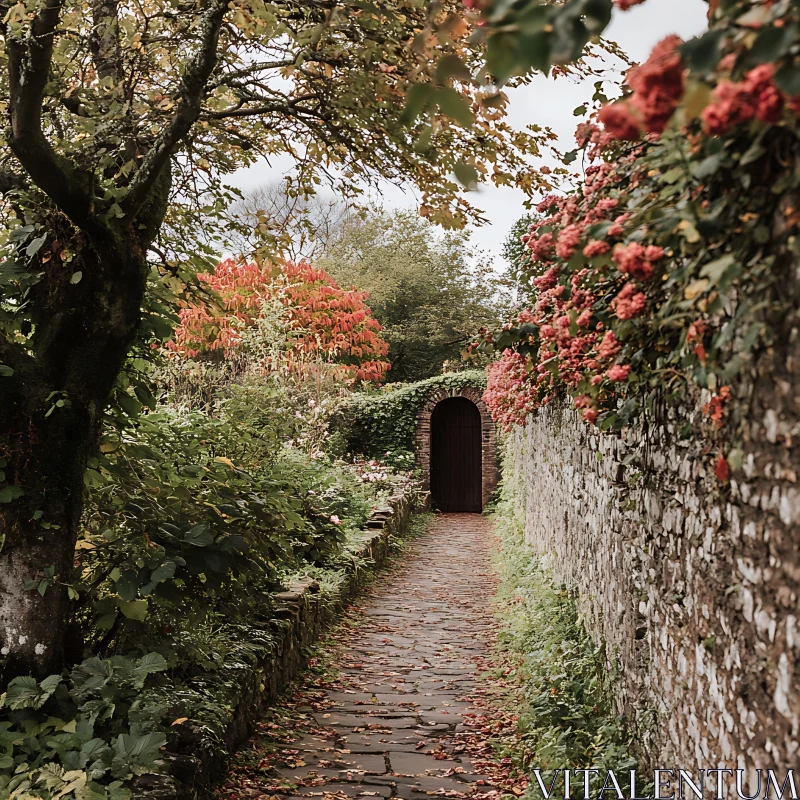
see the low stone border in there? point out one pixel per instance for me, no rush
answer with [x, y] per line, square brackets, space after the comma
[196, 760]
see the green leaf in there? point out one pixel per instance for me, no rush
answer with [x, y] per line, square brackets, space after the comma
[714, 270]
[5, 372]
[772, 43]
[9, 493]
[76, 277]
[416, 101]
[502, 58]
[701, 54]
[33, 248]
[467, 174]
[451, 66]
[199, 536]
[455, 106]
[788, 79]
[152, 662]
[135, 609]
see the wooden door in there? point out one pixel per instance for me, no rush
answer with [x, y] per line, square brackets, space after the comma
[456, 456]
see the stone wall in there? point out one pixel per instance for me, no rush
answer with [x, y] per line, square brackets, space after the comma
[691, 582]
[196, 755]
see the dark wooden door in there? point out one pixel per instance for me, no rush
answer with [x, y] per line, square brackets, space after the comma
[456, 455]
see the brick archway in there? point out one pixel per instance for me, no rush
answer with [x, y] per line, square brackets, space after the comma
[490, 471]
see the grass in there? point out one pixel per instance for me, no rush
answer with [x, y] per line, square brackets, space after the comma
[567, 719]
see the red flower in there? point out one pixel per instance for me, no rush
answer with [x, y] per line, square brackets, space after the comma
[590, 415]
[568, 241]
[658, 84]
[624, 5]
[754, 97]
[596, 248]
[722, 471]
[610, 346]
[631, 259]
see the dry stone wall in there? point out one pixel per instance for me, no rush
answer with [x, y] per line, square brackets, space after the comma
[691, 583]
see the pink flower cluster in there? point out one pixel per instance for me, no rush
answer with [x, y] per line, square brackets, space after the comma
[624, 5]
[575, 348]
[658, 86]
[755, 97]
[509, 395]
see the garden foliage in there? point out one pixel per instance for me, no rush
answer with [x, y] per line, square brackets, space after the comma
[664, 267]
[383, 424]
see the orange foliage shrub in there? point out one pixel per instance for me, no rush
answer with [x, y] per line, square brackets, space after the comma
[322, 320]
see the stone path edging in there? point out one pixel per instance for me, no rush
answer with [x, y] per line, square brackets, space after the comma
[196, 760]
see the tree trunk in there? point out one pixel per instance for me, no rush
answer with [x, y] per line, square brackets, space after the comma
[50, 421]
[31, 623]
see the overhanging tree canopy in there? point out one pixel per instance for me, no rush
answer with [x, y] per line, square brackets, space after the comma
[122, 119]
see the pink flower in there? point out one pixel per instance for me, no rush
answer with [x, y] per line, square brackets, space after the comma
[590, 415]
[619, 372]
[624, 5]
[617, 228]
[629, 303]
[585, 318]
[596, 380]
[610, 345]
[658, 84]
[335, 520]
[548, 280]
[596, 248]
[631, 260]
[754, 97]
[653, 253]
[621, 121]
[568, 241]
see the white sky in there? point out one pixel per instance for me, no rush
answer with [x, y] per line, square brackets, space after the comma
[545, 102]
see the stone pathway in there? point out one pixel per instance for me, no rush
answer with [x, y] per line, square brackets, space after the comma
[396, 721]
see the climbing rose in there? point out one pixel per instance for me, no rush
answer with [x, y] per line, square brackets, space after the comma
[609, 346]
[629, 303]
[621, 121]
[658, 84]
[568, 241]
[619, 372]
[590, 415]
[596, 248]
[624, 5]
[754, 97]
[631, 259]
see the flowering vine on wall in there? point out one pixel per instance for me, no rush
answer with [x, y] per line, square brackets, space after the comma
[665, 264]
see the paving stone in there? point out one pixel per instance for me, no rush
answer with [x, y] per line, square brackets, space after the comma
[408, 680]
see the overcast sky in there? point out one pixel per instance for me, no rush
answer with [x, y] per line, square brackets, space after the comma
[545, 102]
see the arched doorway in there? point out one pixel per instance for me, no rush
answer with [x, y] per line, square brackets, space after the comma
[456, 483]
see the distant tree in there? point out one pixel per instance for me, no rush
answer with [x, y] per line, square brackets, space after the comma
[514, 251]
[277, 217]
[430, 291]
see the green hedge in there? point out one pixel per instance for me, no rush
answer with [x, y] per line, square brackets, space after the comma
[384, 422]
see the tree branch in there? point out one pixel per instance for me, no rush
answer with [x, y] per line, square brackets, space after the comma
[28, 70]
[193, 86]
[104, 41]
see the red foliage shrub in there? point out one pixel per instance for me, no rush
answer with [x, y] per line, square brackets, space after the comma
[322, 319]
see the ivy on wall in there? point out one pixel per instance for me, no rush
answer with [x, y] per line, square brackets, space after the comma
[383, 424]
